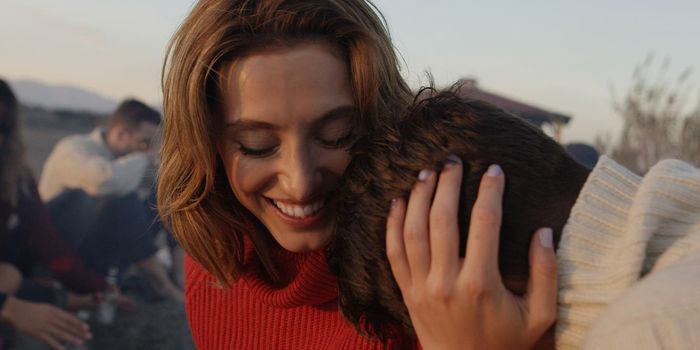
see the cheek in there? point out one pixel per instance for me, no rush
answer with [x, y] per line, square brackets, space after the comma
[246, 176]
[338, 161]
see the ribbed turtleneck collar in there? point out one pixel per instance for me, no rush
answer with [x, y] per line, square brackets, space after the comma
[308, 279]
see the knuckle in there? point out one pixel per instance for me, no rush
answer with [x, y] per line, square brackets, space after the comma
[440, 217]
[478, 290]
[486, 216]
[414, 234]
[393, 253]
[439, 291]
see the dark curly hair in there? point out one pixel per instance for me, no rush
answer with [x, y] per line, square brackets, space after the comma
[542, 182]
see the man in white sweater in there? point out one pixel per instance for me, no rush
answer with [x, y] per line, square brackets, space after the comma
[106, 162]
[90, 185]
[628, 248]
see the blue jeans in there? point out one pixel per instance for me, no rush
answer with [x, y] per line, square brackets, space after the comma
[106, 231]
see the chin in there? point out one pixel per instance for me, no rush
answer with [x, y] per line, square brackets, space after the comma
[304, 244]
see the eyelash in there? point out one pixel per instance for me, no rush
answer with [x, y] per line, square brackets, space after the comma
[256, 153]
[339, 142]
[261, 153]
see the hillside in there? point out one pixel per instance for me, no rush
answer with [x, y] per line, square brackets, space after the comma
[34, 93]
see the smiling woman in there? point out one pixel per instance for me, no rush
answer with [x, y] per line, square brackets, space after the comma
[261, 101]
[283, 157]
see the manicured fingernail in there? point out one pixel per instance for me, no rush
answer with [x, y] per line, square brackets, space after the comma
[546, 237]
[452, 160]
[495, 171]
[424, 174]
[393, 203]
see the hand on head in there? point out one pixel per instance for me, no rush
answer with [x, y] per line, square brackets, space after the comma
[457, 304]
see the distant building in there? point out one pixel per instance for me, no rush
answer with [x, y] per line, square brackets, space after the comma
[532, 114]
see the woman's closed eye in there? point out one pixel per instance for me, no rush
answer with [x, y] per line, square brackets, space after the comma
[255, 143]
[257, 152]
[336, 134]
[339, 142]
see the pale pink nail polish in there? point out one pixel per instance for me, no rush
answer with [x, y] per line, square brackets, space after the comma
[495, 170]
[424, 174]
[546, 237]
[451, 161]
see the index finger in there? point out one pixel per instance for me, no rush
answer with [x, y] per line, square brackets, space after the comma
[481, 258]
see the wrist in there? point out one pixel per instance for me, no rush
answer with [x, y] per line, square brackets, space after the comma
[9, 311]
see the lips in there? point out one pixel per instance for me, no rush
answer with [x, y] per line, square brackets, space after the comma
[299, 211]
[307, 216]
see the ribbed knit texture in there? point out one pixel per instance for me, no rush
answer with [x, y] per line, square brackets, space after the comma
[621, 229]
[253, 314]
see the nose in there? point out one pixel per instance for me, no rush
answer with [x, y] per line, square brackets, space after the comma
[300, 174]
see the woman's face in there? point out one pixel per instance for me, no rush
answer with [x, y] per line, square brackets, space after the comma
[288, 117]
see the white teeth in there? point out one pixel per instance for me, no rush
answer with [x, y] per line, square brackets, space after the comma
[299, 211]
[308, 210]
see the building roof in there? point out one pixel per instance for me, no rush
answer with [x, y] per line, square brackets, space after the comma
[535, 115]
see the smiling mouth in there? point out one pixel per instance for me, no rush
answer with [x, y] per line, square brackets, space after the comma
[299, 211]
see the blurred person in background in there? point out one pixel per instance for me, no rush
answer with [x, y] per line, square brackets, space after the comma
[90, 185]
[27, 238]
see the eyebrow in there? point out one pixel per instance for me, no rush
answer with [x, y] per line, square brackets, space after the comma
[335, 113]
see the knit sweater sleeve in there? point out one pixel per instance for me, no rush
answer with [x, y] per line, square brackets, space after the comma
[621, 229]
[76, 162]
[661, 312]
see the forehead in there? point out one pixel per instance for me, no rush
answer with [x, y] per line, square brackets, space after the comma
[285, 85]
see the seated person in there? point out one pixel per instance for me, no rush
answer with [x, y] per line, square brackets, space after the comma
[628, 248]
[90, 184]
[28, 239]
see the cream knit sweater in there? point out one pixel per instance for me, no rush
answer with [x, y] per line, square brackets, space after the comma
[85, 162]
[629, 261]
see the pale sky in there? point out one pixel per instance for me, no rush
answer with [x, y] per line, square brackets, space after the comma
[561, 55]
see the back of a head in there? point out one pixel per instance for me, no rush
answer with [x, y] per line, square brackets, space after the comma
[540, 178]
[132, 113]
[7, 97]
[13, 166]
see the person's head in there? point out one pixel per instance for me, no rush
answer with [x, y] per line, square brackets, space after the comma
[132, 127]
[9, 116]
[261, 101]
[12, 151]
[542, 182]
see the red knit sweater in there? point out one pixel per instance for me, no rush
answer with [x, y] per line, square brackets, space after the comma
[253, 314]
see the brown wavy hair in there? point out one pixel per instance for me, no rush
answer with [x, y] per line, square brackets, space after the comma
[194, 197]
[13, 164]
[542, 181]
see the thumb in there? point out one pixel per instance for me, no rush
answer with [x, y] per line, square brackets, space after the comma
[542, 288]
